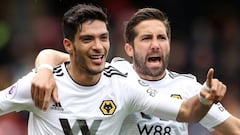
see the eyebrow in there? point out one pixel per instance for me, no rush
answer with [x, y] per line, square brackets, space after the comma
[89, 35]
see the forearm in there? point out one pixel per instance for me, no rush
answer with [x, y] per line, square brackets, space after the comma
[230, 126]
[192, 110]
[44, 81]
[51, 57]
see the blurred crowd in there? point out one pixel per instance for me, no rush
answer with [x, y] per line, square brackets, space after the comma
[204, 34]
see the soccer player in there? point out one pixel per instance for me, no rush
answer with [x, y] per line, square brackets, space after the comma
[147, 37]
[94, 97]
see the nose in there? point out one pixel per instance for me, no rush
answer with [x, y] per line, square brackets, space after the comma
[155, 45]
[98, 45]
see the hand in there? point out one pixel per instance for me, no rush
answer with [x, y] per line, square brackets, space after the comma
[216, 91]
[43, 86]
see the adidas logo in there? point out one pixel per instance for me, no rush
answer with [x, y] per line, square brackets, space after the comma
[57, 106]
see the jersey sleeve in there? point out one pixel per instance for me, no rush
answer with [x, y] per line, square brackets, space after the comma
[148, 100]
[16, 97]
[216, 115]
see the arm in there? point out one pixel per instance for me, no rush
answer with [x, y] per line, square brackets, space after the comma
[51, 57]
[43, 89]
[17, 97]
[192, 109]
[230, 126]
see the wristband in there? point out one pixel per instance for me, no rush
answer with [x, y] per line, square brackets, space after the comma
[46, 66]
[203, 100]
[205, 87]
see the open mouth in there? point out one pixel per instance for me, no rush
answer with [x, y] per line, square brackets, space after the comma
[154, 59]
[97, 59]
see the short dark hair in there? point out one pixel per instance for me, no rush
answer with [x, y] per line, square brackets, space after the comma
[143, 15]
[79, 14]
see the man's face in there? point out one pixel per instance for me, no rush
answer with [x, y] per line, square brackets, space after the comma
[151, 49]
[91, 46]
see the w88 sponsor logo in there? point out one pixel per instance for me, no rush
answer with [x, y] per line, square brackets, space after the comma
[154, 130]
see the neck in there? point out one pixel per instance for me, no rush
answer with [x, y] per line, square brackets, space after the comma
[82, 77]
[152, 78]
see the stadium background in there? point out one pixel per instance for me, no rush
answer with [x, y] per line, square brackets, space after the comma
[204, 34]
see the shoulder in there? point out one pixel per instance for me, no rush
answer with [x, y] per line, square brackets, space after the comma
[110, 70]
[59, 70]
[122, 79]
[122, 64]
[175, 75]
[185, 82]
[118, 59]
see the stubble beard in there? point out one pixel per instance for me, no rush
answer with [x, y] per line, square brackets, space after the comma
[141, 66]
[84, 67]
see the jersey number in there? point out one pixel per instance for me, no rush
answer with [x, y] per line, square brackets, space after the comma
[79, 126]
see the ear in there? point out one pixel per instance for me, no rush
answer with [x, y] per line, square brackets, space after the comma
[68, 45]
[129, 49]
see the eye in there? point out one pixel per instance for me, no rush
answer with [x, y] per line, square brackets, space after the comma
[145, 38]
[104, 38]
[86, 39]
[162, 37]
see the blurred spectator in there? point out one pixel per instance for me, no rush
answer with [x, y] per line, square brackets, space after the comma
[12, 124]
[179, 55]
